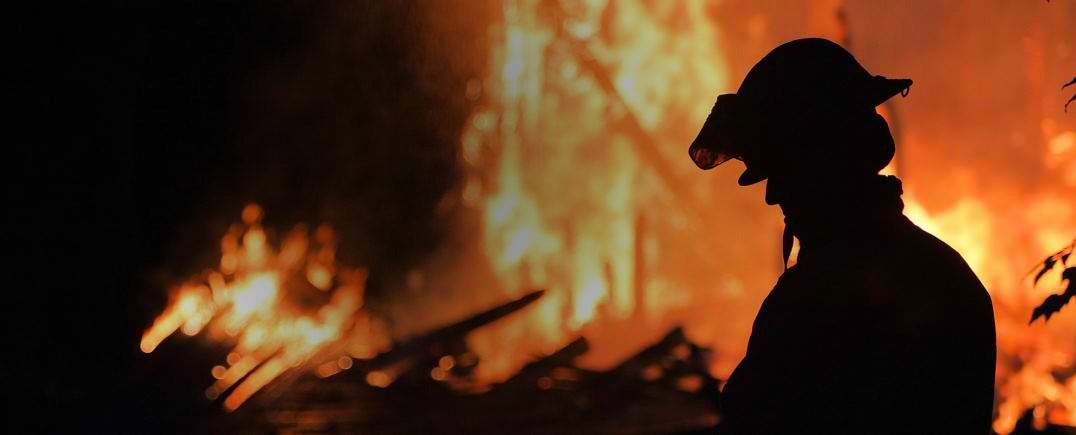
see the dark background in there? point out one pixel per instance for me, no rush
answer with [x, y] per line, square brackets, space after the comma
[144, 128]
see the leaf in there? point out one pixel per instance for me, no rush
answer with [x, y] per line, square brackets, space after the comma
[1060, 257]
[1047, 265]
[1049, 307]
[1054, 303]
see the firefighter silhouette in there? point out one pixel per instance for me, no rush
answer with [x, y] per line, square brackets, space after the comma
[879, 327]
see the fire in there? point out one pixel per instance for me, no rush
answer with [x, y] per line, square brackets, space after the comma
[583, 246]
[1032, 360]
[590, 106]
[576, 164]
[257, 300]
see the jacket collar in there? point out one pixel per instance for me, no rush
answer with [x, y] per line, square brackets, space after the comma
[866, 208]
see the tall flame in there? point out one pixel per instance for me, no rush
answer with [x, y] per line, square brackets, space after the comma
[563, 192]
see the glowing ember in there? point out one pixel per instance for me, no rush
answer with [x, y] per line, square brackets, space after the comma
[253, 301]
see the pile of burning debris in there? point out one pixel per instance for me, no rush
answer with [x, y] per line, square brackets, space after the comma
[665, 388]
[292, 312]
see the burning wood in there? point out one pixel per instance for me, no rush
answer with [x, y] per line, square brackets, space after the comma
[252, 300]
[445, 342]
[551, 394]
[453, 332]
[257, 300]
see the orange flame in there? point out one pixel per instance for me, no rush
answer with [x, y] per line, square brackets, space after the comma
[251, 300]
[563, 216]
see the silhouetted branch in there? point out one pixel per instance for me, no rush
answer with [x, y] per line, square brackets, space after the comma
[1055, 302]
[1071, 99]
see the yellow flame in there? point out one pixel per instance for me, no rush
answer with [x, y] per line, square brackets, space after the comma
[247, 304]
[550, 222]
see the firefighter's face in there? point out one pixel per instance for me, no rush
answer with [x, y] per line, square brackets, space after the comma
[796, 184]
[796, 172]
[788, 188]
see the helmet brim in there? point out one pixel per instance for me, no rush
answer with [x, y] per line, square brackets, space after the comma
[751, 176]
